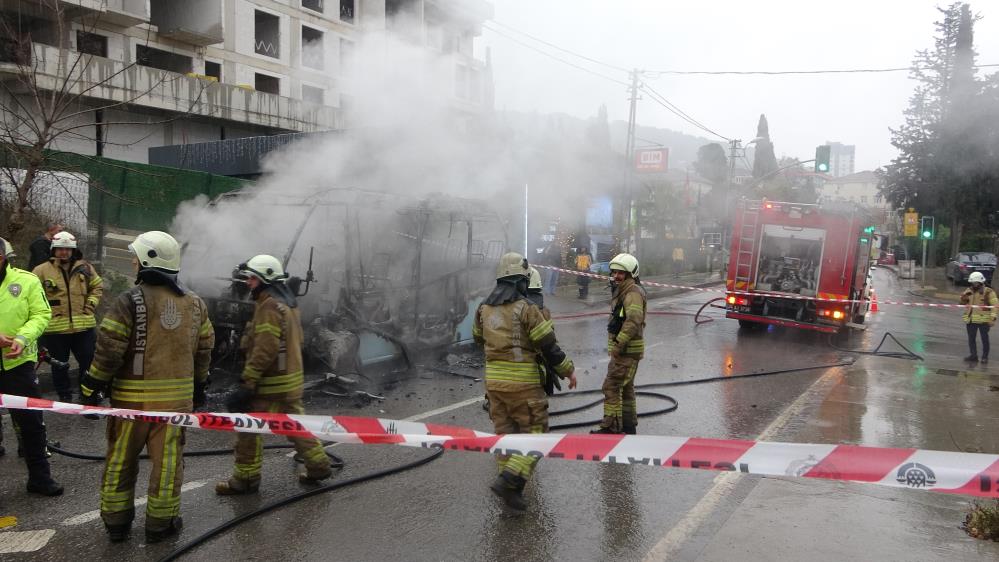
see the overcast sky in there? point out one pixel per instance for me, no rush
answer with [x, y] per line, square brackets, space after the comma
[803, 111]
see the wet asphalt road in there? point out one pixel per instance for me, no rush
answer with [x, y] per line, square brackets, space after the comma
[587, 511]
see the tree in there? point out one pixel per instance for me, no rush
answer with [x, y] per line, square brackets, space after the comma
[52, 95]
[764, 160]
[712, 164]
[947, 142]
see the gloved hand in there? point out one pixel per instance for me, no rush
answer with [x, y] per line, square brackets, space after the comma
[239, 401]
[92, 393]
[200, 393]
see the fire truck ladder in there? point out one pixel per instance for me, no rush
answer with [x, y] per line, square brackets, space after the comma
[744, 256]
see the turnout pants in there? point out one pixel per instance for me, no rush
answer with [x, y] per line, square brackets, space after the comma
[250, 446]
[973, 330]
[523, 410]
[620, 405]
[165, 445]
[29, 425]
[81, 345]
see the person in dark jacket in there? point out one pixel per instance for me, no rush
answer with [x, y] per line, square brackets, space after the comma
[41, 248]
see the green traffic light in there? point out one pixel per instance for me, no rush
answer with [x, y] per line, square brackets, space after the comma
[927, 234]
[823, 168]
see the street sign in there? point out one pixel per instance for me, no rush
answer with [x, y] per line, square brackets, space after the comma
[652, 160]
[911, 224]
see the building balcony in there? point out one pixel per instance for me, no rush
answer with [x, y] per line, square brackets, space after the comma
[110, 81]
[126, 13]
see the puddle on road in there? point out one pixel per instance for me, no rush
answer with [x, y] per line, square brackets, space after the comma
[969, 374]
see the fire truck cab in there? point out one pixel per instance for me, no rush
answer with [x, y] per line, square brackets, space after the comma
[799, 265]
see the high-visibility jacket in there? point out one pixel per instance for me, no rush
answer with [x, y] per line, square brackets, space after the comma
[151, 347]
[73, 295]
[273, 346]
[626, 328]
[514, 334]
[975, 314]
[24, 313]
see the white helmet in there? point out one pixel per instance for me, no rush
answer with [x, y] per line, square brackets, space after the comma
[535, 281]
[976, 277]
[266, 268]
[513, 265]
[63, 240]
[626, 263]
[7, 249]
[156, 250]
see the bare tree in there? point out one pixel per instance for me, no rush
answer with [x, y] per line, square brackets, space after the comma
[49, 93]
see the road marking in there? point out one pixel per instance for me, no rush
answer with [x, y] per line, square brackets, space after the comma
[444, 409]
[96, 514]
[725, 482]
[24, 541]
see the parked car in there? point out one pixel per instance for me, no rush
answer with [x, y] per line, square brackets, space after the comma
[965, 263]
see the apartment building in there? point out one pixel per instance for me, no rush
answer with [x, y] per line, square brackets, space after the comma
[169, 72]
[842, 159]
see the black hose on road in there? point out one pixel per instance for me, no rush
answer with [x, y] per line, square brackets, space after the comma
[909, 354]
[56, 447]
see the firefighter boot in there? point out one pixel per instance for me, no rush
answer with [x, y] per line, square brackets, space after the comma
[510, 489]
[971, 359]
[314, 475]
[118, 533]
[237, 487]
[154, 536]
[630, 429]
[604, 431]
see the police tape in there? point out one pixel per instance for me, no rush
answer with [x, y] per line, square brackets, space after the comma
[974, 474]
[790, 296]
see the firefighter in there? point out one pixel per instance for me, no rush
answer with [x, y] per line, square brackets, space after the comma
[154, 347]
[74, 290]
[24, 313]
[625, 345]
[514, 332]
[272, 376]
[979, 319]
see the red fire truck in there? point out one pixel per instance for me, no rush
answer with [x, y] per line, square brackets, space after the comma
[786, 258]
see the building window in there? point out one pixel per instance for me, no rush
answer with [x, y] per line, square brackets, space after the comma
[346, 56]
[267, 84]
[163, 60]
[312, 94]
[92, 44]
[213, 69]
[314, 5]
[267, 34]
[347, 11]
[312, 48]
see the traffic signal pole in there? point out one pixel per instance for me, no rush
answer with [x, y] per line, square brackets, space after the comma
[924, 261]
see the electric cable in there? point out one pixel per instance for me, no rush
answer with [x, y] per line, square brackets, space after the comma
[552, 45]
[215, 531]
[909, 354]
[798, 72]
[661, 100]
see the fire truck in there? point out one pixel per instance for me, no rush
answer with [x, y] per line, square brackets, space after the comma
[791, 262]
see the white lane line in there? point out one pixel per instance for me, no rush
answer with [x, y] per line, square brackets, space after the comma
[24, 541]
[444, 409]
[725, 482]
[96, 514]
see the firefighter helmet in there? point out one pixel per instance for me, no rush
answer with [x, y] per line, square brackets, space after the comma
[512, 264]
[6, 248]
[264, 267]
[157, 250]
[63, 240]
[626, 263]
[535, 282]
[976, 277]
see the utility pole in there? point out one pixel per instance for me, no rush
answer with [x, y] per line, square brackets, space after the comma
[629, 161]
[733, 153]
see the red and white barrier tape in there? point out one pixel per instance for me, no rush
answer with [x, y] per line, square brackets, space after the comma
[972, 474]
[765, 294]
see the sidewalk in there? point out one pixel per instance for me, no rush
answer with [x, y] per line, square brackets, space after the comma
[937, 285]
[566, 301]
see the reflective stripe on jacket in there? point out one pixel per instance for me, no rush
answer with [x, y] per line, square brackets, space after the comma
[151, 347]
[24, 314]
[513, 335]
[628, 308]
[73, 295]
[274, 350]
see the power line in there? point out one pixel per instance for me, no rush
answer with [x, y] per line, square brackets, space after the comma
[661, 100]
[561, 60]
[657, 73]
[554, 46]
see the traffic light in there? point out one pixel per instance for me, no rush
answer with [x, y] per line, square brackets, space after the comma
[926, 228]
[869, 230]
[822, 155]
